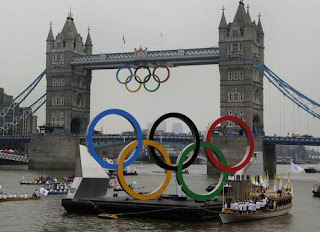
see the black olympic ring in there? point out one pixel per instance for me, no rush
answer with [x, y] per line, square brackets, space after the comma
[147, 79]
[196, 140]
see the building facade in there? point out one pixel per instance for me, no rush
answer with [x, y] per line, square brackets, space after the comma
[241, 84]
[68, 88]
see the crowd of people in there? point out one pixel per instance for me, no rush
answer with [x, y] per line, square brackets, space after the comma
[13, 196]
[246, 207]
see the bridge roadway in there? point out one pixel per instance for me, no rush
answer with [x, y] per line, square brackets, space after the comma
[172, 58]
[110, 139]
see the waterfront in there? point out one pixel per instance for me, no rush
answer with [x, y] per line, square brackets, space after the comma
[48, 214]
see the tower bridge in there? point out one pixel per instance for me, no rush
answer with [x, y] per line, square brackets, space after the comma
[70, 63]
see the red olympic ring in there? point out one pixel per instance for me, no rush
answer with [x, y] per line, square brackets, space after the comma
[161, 66]
[249, 151]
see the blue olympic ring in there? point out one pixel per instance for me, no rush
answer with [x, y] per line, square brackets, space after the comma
[136, 127]
[124, 67]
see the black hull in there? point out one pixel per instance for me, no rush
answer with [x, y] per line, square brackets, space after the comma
[316, 193]
[11, 162]
[311, 170]
[165, 209]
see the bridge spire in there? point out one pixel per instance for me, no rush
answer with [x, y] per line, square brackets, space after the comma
[88, 45]
[50, 34]
[70, 15]
[223, 22]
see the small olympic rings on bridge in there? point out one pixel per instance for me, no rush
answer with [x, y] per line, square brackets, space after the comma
[119, 69]
[122, 180]
[137, 130]
[145, 80]
[196, 139]
[154, 77]
[161, 66]
[128, 79]
[249, 150]
[223, 176]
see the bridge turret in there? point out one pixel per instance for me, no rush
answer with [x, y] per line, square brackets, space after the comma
[223, 27]
[241, 85]
[68, 88]
[50, 39]
[88, 45]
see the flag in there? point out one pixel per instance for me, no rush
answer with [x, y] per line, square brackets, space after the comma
[161, 35]
[44, 192]
[280, 183]
[124, 41]
[275, 183]
[296, 168]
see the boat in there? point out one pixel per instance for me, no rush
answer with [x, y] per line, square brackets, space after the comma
[19, 199]
[129, 172]
[316, 190]
[263, 204]
[311, 170]
[185, 171]
[228, 217]
[58, 192]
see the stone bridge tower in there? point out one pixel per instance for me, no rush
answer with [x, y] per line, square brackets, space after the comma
[68, 88]
[241, 85]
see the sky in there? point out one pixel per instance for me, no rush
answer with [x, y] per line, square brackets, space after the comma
[292, 35]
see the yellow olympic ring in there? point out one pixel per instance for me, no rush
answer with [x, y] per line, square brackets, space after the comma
[122, 181]
[126, 83]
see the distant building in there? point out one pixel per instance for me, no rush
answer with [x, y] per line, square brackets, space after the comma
[177, 128]
[161, 127]
[24, 127]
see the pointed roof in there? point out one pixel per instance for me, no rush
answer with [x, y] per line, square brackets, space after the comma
[223, 22]
[248, 16]
[260, 29]
[69, 30]
[241, 15]
[50, 34]
[88, 40]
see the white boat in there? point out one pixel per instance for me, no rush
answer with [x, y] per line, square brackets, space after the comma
[229, 216]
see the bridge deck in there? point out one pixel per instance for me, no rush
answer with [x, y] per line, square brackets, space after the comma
[172, 58]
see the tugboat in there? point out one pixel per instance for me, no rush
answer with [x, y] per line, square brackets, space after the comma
[311, 170]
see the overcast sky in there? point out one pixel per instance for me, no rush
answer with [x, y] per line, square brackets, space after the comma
[292, 35]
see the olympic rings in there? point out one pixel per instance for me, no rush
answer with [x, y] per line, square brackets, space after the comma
[135, 73]
[122, 180]
[145, 80]
[119, 69]
[219, 186]
[144, 83]
[137, 130]
[194, 131]
[162, 66]
[182, 161]
[128, 79]
[249, 150]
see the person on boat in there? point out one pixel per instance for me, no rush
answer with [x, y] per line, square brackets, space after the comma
[245, 207]
[1, 197]
[5, 196]
[258, 206]
[250, 207]
[10, 196]
[22, 195]
[240, 205]
[231, 207]
[26, 195]
[236, 207]
[15, 195]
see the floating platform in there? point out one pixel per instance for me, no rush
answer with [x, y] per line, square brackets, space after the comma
[168, 207]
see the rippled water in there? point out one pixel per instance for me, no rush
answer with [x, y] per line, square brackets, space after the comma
[47, 214]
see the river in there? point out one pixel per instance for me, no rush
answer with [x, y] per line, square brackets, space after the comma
[47, 214]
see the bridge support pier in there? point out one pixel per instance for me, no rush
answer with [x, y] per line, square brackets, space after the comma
[270, 159]
[53, 152]
[233, 148]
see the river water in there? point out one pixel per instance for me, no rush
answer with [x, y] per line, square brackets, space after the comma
[47, 214]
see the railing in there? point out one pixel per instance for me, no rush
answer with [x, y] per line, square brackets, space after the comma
[14, 157]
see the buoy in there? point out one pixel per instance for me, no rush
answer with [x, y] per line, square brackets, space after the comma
[107, 216]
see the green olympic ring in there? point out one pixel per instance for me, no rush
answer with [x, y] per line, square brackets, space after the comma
[223, 176]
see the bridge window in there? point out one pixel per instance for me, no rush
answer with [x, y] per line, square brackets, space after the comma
[58, 44]
[240, 75]
[230, 97]
[58, 101]
[241, 96]
[236, 76]
[58, 82]
[240, 112]
[80, 100]
[235, 47]
[230, 76]
[235, 33]
[230, 112]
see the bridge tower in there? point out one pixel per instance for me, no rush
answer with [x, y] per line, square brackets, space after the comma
[241, 85]
[68, 88]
